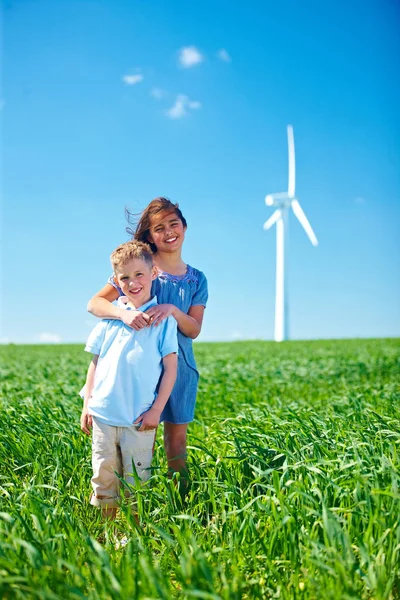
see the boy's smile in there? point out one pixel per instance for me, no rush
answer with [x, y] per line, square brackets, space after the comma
[134, 278]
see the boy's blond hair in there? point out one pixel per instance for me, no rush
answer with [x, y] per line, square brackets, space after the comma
[132, 249]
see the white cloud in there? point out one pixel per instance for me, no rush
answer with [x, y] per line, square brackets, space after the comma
[132, 79]
[49, 338]
[193, 104]
[223, 55]
[4, 340]
[190, 56]
[359, 200]
[178, 110]
[157, 93]
[236, 335]
[182, 106]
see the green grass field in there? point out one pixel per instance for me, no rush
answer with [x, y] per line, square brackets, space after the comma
[294, 457]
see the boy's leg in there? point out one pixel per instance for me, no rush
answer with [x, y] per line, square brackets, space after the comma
[137, 448]
[105, 462]
[107, 513]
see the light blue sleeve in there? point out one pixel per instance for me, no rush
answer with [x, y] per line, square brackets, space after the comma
[96, 338]
[168, 341]
[201, 295]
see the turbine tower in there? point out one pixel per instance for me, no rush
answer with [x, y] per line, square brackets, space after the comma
[282, 201]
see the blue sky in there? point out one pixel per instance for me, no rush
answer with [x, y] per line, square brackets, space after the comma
[107, 104]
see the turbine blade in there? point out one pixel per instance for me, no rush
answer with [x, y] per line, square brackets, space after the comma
[292, 163]
[298, 211]
[272, 220]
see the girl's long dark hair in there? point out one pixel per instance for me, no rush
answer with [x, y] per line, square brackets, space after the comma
[139, 225]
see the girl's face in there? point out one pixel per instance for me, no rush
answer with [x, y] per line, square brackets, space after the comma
[167, 232]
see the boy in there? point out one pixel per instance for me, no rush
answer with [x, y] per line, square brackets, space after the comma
[129, 381]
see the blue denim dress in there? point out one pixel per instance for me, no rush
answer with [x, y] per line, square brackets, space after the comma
[183, 291]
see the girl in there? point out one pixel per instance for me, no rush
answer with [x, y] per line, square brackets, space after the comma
[182, 292]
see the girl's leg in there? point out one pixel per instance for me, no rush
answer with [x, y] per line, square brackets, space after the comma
[109, 514]
[175, 447]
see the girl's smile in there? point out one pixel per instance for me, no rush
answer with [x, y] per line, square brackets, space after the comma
[167, 232]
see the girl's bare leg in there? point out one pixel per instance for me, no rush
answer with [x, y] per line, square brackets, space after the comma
[175, 447]
[109, 514]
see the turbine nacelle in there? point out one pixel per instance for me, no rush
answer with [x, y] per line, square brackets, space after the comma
[269, 200]
[280, 199]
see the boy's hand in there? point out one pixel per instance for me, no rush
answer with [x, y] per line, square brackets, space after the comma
[160, 312]
[86, 421]
[135, 319]
[149, 420]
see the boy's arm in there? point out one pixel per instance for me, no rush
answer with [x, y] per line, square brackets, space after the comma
[86, 418]
[151, 418]
[101, 306]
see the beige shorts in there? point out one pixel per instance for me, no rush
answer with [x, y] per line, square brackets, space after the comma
[122, 451]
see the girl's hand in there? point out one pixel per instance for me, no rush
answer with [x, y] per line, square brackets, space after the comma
[160, 312]
[148, 420]
[135, 319]
[86, 421]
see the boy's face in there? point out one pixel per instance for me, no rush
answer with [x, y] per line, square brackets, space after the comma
[134, 278]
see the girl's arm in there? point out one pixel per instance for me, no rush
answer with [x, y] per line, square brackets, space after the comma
[100, 306]
[189, 324]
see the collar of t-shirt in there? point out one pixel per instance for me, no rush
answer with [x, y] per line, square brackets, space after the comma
[123, 300]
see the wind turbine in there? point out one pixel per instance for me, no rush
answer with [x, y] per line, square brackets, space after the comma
[283, 201]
